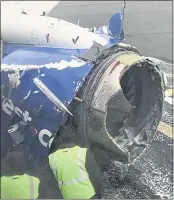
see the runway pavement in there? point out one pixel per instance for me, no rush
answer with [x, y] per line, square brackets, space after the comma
[148, 26]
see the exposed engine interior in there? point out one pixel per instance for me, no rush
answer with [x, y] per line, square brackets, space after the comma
[133, 124]
[121, 105]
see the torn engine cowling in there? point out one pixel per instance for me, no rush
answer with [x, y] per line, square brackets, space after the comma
[122, 107]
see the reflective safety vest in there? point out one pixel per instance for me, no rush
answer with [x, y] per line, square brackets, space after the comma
[68, 166]
[19, 187]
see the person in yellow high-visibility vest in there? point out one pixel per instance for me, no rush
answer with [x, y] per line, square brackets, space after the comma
[15, 184]
[77, 172]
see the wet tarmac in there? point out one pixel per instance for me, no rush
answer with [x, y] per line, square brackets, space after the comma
[149, 176]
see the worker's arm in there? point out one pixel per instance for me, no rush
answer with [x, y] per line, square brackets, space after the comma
[94, 171]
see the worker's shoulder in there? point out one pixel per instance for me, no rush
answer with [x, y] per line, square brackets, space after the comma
[3, 178]
[36, 180]
[67, 146]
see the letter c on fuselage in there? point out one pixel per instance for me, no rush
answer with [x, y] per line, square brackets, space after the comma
[41, 139]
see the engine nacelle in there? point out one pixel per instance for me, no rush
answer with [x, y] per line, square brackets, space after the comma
[122, 104]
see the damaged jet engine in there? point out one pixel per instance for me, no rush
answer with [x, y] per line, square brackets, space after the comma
[119, 105]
